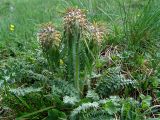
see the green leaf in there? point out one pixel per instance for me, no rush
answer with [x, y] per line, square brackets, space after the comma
[146, 101]
[55, 115]
[155, 82]
[111, 108]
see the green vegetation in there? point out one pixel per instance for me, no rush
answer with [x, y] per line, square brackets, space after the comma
[79, 59]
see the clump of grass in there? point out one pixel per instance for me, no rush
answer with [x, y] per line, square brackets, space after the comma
[141, 27]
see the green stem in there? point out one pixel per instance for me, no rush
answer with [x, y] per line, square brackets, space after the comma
[33, 113]
[76, 57]
[76, 76]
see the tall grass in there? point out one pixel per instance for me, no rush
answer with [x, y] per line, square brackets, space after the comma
[141, 27]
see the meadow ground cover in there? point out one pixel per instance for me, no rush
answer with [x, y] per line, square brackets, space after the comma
[80, 59]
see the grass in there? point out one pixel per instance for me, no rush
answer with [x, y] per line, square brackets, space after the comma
[127, 65]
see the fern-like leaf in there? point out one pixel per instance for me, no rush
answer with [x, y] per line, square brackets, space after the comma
[24, 91]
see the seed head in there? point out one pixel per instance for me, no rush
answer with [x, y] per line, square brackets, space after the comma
[73, 16]
[97, 32]
[48, 36]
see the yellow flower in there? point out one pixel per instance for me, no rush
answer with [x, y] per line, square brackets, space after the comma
[12, 27]
[61, 62]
